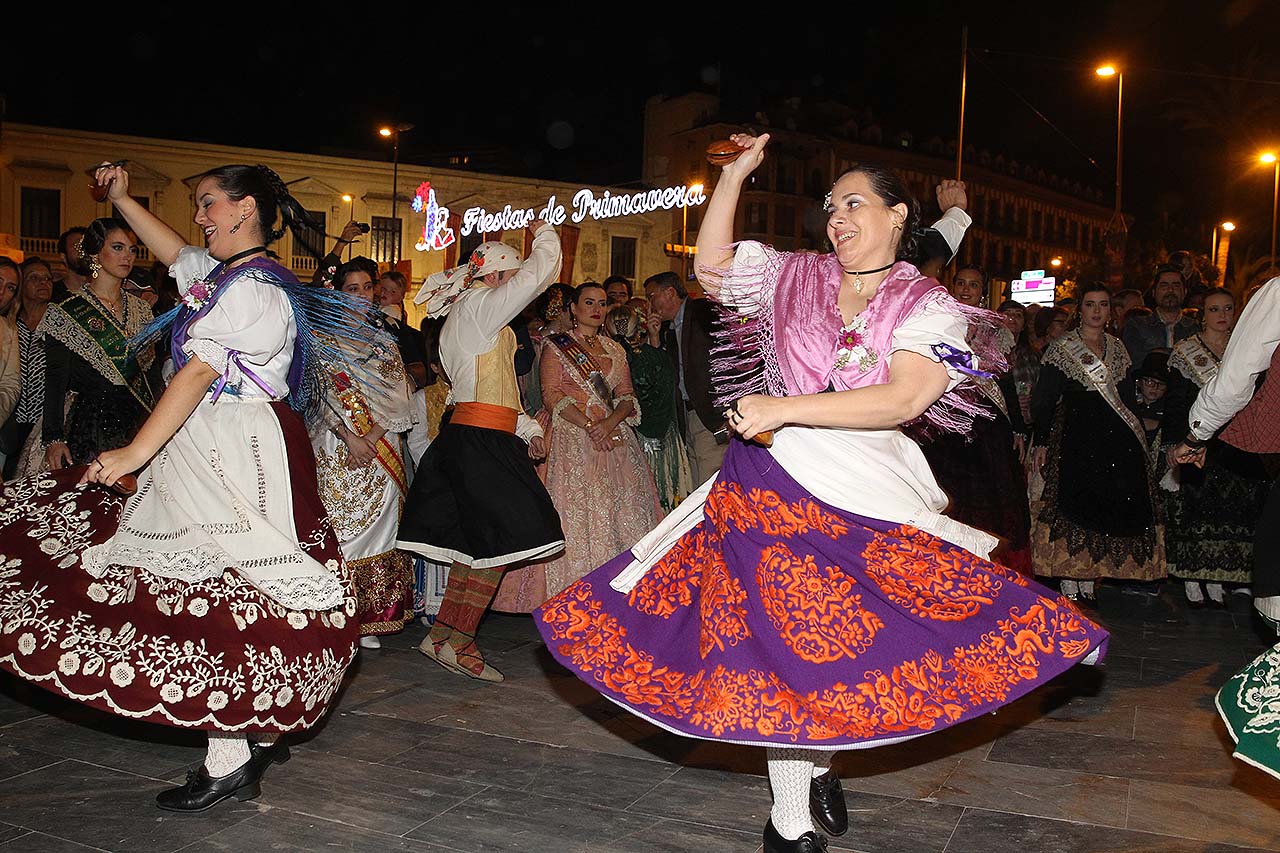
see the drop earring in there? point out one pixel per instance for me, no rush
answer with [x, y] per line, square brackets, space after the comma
[94, 268]
[236, 227]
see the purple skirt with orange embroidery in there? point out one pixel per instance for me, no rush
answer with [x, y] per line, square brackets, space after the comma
[780, 620]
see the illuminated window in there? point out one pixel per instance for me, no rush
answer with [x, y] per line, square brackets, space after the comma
[384, 239]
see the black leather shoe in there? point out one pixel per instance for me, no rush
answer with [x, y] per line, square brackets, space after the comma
[267, 754]
[203, 792]
[810, 842]
[826, 803]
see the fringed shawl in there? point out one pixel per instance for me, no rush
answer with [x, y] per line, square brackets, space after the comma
[332, 326]
[781, 329]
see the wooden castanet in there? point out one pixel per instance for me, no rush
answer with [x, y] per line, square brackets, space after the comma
[722, 152]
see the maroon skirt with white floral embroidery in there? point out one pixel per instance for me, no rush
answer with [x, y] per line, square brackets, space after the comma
[216, 654]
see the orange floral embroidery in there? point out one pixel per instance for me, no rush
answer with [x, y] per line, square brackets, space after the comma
[815, 611]
[765, 509]
[929, 577]
[914, 697]
[696, 562]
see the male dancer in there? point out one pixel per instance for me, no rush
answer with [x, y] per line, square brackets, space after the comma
[476, 501]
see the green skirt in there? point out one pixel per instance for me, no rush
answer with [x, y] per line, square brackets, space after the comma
[1250, 706]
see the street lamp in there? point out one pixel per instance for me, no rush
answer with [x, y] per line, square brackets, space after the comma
[694, 190]
[1270, 158]
[393, 133]
[1221, 248]
[1112, 71]
[1055, 263]
[350, 199]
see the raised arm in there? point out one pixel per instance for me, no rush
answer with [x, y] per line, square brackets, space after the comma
[715, 236]
[163, 241]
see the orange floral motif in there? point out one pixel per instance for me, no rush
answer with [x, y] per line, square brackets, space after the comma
[913, 697]
[929, 577]
[815, 611]
[696, 562]
[766, 510]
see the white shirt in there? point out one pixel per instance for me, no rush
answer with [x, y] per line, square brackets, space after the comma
[1249, 352]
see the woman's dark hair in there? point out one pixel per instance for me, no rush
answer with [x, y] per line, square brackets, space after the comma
[1008, 303]
[541, 304]
[34, 261]
[888, 185]
[1045, 318]
[431, 327]
[95, 237]
[1219, 291]
[274, 201]
[1083, 291]
[357, 264]
[980, 271]
[586, 285]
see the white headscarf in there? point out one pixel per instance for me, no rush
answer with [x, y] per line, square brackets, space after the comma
[441, 290]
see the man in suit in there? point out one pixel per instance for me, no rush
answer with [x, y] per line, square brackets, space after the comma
[687, 337]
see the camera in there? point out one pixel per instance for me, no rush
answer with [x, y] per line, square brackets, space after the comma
[363, 226]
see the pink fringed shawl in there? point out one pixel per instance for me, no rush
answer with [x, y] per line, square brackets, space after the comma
[781, 328]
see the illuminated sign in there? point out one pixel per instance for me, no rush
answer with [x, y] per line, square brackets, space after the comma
[585, 204]
[436, 233]
[1033, 288]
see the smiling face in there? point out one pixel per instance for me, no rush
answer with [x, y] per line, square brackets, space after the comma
[118, 253]
[589, 310]
[860, 226]
[217, 214]
[358, 283]
[1095, 309]
[1219, 313]
[968, 287]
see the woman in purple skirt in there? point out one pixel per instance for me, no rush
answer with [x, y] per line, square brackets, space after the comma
[812, 597]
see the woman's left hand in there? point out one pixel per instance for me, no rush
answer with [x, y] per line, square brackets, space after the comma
[111, 465]
[755, 414]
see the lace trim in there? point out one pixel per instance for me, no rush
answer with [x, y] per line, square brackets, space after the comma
[634, 418]
[1194, 360]
[318, 591]
[216, 356]
[1116, 359]
[565, 402]
[59, 325]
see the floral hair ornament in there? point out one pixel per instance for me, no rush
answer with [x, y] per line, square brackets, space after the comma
[442, 289]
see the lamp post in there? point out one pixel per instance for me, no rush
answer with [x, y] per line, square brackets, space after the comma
[1270, 159]
[694, 189]
[1112, 71]
[350, 199]
[393, 133]
[1221, 244]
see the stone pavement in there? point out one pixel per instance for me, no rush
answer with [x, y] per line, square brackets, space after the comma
[414, 758]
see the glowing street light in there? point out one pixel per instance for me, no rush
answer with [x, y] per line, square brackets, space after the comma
[1228, 226]
[393, 133]
[350, 199]
[1055, 262]
[1113, 71]
[1221, 247]
[1269, 158]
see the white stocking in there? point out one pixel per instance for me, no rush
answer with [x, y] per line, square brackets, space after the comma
[227, 752]
[265, 738]
[790, 771]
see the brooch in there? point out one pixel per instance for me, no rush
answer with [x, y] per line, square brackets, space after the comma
[197, 295]
[96, 324]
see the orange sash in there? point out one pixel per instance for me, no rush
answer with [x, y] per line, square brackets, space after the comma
[485, 416]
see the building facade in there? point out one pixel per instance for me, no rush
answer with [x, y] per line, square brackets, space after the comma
[1023, 218]
[45, 172]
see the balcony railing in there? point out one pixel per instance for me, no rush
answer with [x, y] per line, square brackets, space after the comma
[303, 264]
[39, 245]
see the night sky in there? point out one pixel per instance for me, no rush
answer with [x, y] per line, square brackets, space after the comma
[564, 98]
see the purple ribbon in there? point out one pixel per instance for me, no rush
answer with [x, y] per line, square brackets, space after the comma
[962, 360]
[221, 384]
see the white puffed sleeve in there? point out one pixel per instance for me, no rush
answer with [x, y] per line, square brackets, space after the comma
[192, 265]
[933, 325]
[250, 329]
[751, 279]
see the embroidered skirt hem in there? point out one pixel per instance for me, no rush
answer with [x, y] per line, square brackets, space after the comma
[782, 620]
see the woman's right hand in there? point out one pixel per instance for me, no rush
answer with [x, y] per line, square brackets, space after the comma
[114, 178]
[750, 159]
[653, 328]
[57, 456]
[360, 450]
[1038, 456]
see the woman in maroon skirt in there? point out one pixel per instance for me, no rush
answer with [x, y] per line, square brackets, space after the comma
[215, 596]
[811, 597]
